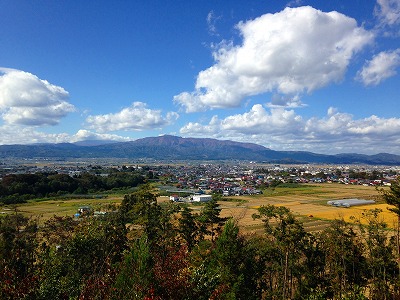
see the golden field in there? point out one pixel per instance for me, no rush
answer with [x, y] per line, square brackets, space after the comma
[308, 202]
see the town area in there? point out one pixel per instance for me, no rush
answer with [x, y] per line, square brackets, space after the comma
[227, 178]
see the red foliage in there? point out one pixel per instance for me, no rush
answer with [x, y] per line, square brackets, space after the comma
[172, 273]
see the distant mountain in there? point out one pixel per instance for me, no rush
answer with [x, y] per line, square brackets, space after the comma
[169, 147]
[94, 142]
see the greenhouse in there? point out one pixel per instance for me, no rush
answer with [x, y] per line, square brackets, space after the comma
[349, 202]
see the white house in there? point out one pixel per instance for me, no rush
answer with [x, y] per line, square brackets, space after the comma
[174, 198]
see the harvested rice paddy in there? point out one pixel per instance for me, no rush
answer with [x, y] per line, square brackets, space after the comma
[307, 202]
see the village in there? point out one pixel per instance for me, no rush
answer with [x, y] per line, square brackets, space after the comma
[188, 180]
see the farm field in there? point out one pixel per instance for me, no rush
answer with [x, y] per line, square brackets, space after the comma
[45, 210]
[307, 202]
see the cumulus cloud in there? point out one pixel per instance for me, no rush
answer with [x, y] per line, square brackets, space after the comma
[28, 135]
[294, 51]
[26, 99]
[17, 134]
[197, 129]
[283, 129]
[86, 135]
[380, 67]
[388, 12]
[137, 117]
[258, 120]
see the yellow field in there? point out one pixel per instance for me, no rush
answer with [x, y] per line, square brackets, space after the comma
[47, 209]
[308, 202]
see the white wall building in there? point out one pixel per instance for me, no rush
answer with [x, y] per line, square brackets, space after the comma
[201, 198]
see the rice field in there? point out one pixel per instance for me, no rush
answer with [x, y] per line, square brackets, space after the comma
[45, 210]
[307, 202]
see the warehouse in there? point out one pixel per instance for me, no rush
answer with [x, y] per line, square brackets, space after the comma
[201, 198]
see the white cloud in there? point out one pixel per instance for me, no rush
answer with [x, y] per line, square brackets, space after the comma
[137, 117]
[258, 120]
[211, 23]
[85, 135]
[197, 129]
[282, 129]
[380, 67]
[294, 51]
[16, 134]
[26, 99]
[388, 11]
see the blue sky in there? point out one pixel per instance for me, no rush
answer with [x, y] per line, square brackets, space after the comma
[318, 76]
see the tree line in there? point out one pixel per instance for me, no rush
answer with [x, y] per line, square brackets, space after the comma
[17, 188]
[151, 250]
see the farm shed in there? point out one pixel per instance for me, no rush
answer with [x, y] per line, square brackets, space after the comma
[201, 198]
[350, 202]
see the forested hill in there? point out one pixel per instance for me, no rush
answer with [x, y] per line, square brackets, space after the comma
[178, 148]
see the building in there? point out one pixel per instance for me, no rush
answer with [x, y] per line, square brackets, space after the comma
[201, 198]
[174, 198]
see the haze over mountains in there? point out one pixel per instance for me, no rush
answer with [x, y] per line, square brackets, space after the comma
[177, 148]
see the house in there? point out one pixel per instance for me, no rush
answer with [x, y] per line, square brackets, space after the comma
[84, 211]
[174, 198]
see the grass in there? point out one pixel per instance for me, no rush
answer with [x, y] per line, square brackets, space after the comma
[45, 209]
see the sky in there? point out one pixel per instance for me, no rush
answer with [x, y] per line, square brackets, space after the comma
[319, 76]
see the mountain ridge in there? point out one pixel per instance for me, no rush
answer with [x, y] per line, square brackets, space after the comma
[168, 147]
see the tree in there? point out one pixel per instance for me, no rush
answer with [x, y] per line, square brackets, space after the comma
[136, 275]
[188, 227]
[288, 234]
[345, 264]
[380, 255]
[18, 257]
[234, 262]
[392, 197]
[141, 208]
[83, 264]
[211, 222]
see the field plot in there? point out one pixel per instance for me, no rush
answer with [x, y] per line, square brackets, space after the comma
[47, 209]
[309, 203]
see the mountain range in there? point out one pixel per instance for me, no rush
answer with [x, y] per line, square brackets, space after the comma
[169, 147]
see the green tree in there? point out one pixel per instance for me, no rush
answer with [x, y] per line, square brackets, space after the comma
[288, 235]
[188, 227]
[141, 208]
[345, 263]
[86, 257]
[136, 275]
[380, 255]
[209, 218]
[392, 197]
[234, 262]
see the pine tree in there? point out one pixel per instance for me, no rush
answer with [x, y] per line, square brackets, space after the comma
[210, 218]
[188, 227]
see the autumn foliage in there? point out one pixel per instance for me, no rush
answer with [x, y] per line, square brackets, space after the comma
[148, 250]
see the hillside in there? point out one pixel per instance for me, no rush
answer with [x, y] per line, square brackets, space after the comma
[177, 148]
